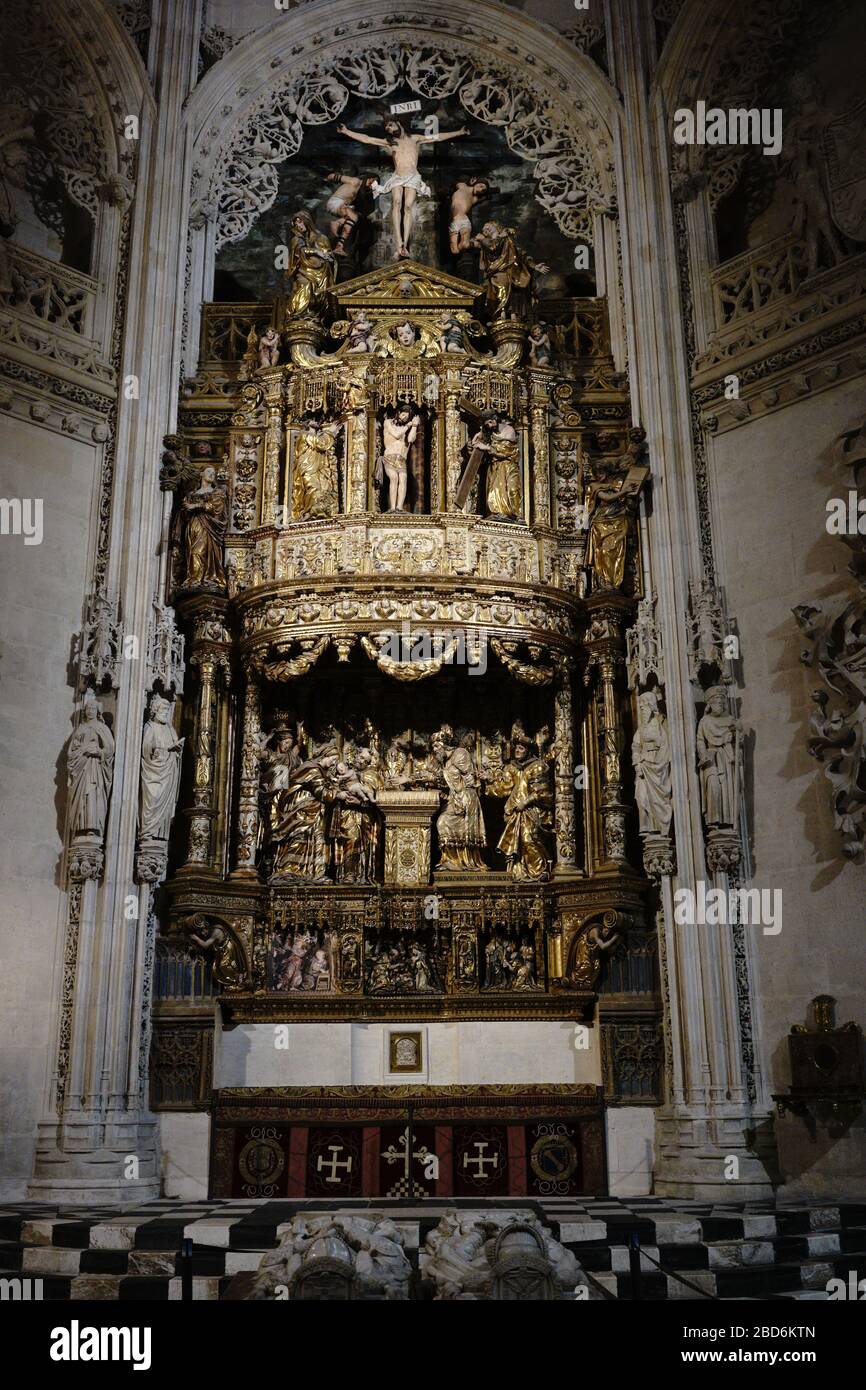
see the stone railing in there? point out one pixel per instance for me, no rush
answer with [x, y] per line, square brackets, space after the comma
[47, 311]
[47, 291]
[768, 296]
[757, 279]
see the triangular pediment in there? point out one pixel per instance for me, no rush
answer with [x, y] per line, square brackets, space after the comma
[407, 283]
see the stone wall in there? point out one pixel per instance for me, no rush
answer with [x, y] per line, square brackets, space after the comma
[771, 480]
[42, 587]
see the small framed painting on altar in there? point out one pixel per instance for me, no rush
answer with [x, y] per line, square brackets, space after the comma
[406, 1052]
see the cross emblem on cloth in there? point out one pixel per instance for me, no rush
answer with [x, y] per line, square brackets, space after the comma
[480, 1158]
[400, 1154]
[334, 1163]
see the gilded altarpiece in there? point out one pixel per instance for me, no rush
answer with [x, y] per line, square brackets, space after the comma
[406, 552]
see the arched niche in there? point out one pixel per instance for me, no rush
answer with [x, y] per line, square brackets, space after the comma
[83, 77]
[556, 108]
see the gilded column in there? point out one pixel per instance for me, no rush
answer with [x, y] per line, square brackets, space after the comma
[248, 802]
[210, 654]
[566, 847]
[606, 656]
[453, 458]
[538, 414]
[273, 447]
[202, 812]
[355, 407]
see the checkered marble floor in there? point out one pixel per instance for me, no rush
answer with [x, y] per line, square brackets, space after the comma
[690, 1249]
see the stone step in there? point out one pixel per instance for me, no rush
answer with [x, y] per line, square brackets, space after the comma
[751, 1252]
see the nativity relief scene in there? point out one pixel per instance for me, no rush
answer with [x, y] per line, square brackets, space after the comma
[404, 552]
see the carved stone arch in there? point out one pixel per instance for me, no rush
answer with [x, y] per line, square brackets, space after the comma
[91, 77]
[82, 69]
[553, 103]
[726, 55]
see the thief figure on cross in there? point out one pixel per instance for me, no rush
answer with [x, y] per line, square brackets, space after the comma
[405, 184]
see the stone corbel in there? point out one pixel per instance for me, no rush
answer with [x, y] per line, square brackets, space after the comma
[85, 861]
[117, 191]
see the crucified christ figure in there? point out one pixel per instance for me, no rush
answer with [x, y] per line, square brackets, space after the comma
[405, 183]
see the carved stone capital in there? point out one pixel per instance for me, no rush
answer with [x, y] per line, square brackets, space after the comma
[85, 861]
[151, 864]
[659, 856]
[724, 851]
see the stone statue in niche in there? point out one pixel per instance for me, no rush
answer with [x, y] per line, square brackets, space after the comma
[198, 535]
[495, 445]
[466, 194]
[311, 268]
[279, 760]
[315, 470]
[720, 759]
[322, 822]
[503, 495]
[90, 765]
[526, 784]
[299, 819]
[399, 434]
[161, 751]
[405, 184]
[651, 757]
[802, 163]
[467, 959]
[17, 131]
